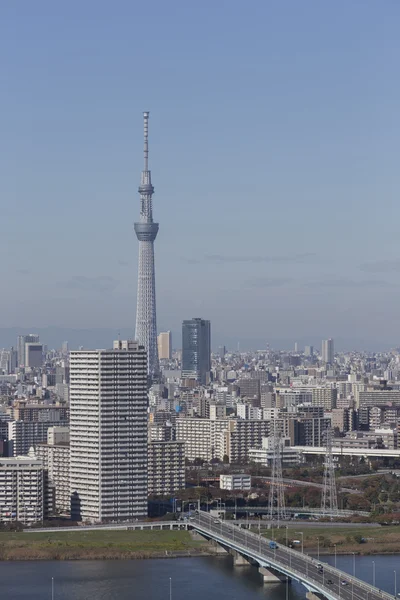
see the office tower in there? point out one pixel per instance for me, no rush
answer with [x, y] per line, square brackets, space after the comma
[296, 347]
[21, 490]
[164, 341]
[222, 352]
[108, 433]
[309, 351]
[33, 355]
[21, 341]
[327, 351]
[196, 349]
[64, 349]
[146, 232]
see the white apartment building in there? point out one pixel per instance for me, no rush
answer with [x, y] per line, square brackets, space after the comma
[204, 438]
[264, 455]
[108, 433]
[235, 482]
[21, 490]
[55, 456]
[166, 468]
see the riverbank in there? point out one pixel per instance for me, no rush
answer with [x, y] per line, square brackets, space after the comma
[360, 540]
[99, 545]
[117, 545]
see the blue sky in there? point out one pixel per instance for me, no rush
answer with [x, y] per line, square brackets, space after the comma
[274, 143]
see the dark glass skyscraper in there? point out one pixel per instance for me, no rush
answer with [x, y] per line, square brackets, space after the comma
[196, 349]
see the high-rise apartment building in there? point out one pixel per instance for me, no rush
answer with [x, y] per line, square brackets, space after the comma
[308, 350]
[196, 349]
[108, 433]
[327, 351]
[146, 232]
[164, 341]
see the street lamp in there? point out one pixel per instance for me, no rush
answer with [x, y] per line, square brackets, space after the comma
[395, 584]
[335, 555]
[318, 548]
[373, 573]
[302, 540]
[354, 564]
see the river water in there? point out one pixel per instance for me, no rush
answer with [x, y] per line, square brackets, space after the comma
[205, 578]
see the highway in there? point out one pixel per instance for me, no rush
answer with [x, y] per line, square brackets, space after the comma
[297, 565]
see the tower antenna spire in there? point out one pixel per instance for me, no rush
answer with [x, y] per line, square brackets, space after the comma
[146, 139]
[146, 232]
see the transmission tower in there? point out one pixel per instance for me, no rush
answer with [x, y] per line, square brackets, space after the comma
[329, 505]
[277, 510]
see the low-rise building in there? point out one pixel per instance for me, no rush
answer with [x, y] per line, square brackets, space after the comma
[235, 482]
[264, 455]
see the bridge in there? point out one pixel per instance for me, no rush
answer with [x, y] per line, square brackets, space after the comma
[317, 512]
[280, 563]
[347, 451]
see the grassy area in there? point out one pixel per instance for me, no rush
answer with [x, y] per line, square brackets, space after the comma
[378, 540]
[95, 544]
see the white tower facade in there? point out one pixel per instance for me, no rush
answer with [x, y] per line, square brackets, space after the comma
[108, 433]
[146, 231]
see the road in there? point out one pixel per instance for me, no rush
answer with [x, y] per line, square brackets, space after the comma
[303, 567]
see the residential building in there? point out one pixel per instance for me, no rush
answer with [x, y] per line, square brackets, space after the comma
[22, 435]
[264, 455]
[55, 456]
[21, 490]
[166, 468]
[310, 431]
[243, 434]
[108, 433]
[204, 438]
[379, 398]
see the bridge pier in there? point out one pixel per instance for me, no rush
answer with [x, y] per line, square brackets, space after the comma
[218, 549]
[273, 576]
[241, 561]
[314, 596]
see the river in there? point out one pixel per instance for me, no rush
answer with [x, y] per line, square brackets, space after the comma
[207, 578]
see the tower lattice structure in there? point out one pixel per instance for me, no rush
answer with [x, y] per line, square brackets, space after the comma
[329, 506]
[277, 509]
[146, 231]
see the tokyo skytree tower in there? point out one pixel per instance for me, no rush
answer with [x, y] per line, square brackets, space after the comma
[146, 231]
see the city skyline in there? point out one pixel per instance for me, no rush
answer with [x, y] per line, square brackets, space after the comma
[302, 128]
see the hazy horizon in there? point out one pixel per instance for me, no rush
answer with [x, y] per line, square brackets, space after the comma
[274, 155]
